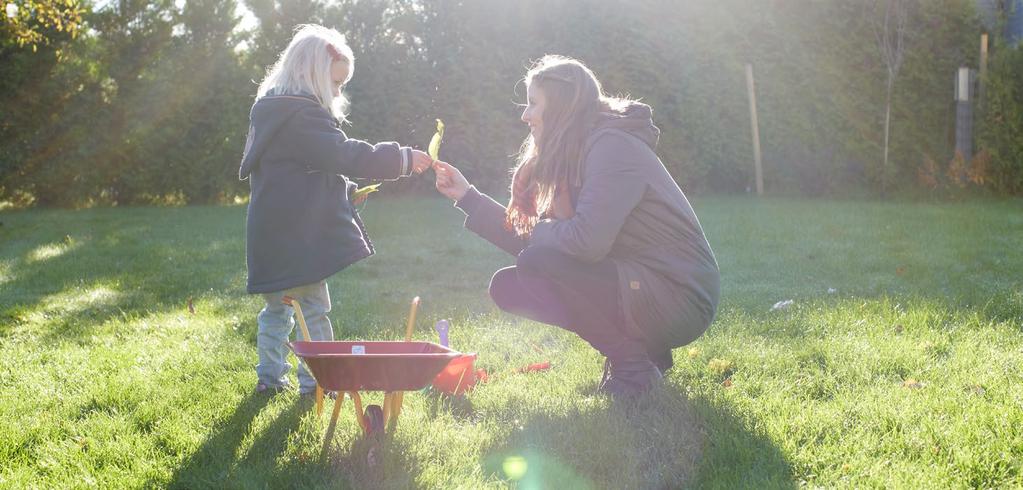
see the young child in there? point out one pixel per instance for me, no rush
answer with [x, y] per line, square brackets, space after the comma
[302, 227]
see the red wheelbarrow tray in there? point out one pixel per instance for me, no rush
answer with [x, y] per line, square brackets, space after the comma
[385, 365]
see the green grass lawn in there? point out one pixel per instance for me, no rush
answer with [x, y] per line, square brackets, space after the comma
[900, 363]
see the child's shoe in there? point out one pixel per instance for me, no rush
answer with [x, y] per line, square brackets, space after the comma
[271, 389]
[312, 393]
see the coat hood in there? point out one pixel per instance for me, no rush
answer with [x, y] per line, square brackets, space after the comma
[268, 115]
[635, 118]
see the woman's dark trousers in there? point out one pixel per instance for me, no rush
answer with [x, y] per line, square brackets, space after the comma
[552, 287]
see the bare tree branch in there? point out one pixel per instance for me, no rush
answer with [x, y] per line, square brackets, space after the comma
[890, 34]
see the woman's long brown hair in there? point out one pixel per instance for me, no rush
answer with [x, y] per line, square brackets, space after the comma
[574, 100]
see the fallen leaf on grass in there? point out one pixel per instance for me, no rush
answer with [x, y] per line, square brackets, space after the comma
[720, 366]
[783, 305]
[913, 384]
[536, 366]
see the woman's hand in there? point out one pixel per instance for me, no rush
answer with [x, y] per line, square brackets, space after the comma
[450, 181]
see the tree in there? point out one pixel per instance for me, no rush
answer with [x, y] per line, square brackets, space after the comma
[35, 23]
[890, 33]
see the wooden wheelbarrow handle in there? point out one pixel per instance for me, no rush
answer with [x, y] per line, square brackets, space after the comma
[288, 300]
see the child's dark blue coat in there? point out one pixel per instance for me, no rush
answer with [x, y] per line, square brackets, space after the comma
[301, 226]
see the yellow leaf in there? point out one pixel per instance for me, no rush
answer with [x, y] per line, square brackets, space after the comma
[721, 366]
[434, 149]
[361, 194]
[913, 383]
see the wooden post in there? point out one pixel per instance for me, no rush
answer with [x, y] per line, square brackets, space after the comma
[964, 112]
[758, 169]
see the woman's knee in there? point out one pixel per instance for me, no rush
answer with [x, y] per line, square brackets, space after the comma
[540, 260]
[503, 286]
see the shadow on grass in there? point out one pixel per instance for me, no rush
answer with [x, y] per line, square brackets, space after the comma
[211, 465]
[459, 407]
[735, 455]
[281, 456]
[216, 463]
[660, 442]
[268, 462]
[372, 462]
[97, 275]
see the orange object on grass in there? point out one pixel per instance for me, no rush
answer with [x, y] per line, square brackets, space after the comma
[536, 366]
[458, 376]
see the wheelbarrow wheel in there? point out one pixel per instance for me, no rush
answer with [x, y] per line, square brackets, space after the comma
[375, 417]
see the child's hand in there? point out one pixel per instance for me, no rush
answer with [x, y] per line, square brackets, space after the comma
[420, 161]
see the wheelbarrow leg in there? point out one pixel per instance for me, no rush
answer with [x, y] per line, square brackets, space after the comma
[396, 400]
[319, 400]
[333, 424]
[388, 411]
[359, 414]
[392, 407]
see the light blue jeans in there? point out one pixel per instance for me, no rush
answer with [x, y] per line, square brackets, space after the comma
[276, 323]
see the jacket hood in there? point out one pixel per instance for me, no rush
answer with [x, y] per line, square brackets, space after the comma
[635, 118]
[267, 117]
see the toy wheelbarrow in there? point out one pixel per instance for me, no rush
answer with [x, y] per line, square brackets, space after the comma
[353, 366]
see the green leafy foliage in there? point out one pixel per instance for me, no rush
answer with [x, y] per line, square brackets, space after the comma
[35, 23]
[1002, 122]
[149, 102]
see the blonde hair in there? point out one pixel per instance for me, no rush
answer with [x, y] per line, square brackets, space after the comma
[574, 100]
[304, 66]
